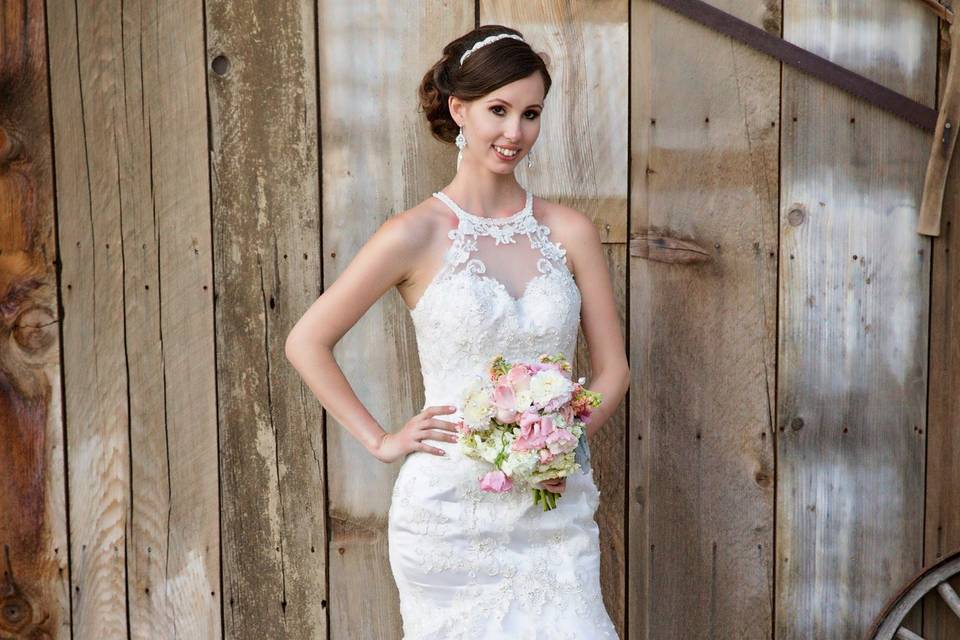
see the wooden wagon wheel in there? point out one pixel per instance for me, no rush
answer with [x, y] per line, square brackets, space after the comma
[888, 624]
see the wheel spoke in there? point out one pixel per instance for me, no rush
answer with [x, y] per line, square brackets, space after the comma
[950, 597]
[905, 634]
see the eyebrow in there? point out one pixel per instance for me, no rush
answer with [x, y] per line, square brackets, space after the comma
[510, 105]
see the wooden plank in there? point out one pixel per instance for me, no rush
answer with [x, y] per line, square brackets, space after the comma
[34, 581]
[702, 317]
[378, 159]
[131, 140]
[173, 569]
[263, 103]
[853, 314]
[84, 50]
[942, 513]
[580, 160]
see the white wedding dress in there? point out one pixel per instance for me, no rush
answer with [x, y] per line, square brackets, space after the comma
[470, 564]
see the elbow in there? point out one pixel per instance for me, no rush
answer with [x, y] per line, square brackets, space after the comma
[300, 342]
[293, 345]
[290, 346]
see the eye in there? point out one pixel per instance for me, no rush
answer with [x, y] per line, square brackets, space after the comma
[531, 114]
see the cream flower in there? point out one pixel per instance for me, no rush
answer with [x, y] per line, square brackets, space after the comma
[547, 385]
[477, 407]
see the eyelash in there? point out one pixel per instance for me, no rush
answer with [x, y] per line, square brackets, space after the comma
[536, 114]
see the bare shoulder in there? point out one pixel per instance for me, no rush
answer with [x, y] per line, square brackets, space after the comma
[424, 228]
[570, 228]
[415, 230]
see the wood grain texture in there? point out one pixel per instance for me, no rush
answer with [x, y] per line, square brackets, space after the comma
[34, 584]
[85, 48]
[854, 292]
[378, 160]
[704, 117]
[581, 161]
[942, 513]
[130, 134]
[261, 78]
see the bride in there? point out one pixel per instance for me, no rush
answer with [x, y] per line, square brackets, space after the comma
[484, 268]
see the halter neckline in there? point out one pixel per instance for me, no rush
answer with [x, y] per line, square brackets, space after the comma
[462, 213]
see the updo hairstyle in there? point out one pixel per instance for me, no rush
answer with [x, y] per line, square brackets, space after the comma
[486, 69]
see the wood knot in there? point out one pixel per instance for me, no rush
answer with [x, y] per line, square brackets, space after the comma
[10, 147]
[663, 248]
[796, 215]
[15, 613]
[762, 478]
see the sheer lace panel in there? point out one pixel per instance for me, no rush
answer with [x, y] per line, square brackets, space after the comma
[509, 252]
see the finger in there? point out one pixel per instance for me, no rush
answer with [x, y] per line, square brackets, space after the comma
[436, 434]
[445, 425]
[440, 409]
[441, 432]
[434, 450]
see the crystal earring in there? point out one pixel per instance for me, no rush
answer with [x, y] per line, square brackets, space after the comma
[529, 158]
[461, 143]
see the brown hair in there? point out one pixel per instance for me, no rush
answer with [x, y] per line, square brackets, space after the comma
[486, 69]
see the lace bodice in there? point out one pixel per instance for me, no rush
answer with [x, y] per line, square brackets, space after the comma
[504, 288]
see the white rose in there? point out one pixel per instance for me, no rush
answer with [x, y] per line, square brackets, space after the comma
[523, 399]
[548, 384]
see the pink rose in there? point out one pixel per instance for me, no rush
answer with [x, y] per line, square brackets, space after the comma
[546, 456]
[529, 417]
[519, 377]
[561, 441]
[522, 444]
[496, 482]
[533, 433]
[505, 402]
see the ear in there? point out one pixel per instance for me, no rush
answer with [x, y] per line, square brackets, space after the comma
[457, 109]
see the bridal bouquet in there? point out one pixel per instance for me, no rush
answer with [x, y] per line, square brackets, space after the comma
[527, 420]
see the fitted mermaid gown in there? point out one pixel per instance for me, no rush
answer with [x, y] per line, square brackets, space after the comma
[470, 564]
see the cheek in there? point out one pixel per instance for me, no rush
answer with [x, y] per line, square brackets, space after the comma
[486, 131]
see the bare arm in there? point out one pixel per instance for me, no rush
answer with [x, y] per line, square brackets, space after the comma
[598, 317]
[380, 264]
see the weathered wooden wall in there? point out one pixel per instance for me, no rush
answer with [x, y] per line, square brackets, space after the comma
[179, 181]
[941, 525]
[704, 123]
[854, 304]
[34, 569]
[136, 287]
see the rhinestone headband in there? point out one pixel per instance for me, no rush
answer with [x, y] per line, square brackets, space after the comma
[487, 41]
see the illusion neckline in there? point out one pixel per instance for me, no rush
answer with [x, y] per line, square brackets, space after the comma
[463, 213]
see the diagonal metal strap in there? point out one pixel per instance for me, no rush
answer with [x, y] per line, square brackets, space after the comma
[877, 94]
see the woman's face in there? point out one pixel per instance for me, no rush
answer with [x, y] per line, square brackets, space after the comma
[507, 118]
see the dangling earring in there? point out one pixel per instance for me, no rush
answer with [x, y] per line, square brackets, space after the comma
[529, 158]
[461, 143]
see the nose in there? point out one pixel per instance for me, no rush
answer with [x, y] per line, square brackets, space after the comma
[512, 133]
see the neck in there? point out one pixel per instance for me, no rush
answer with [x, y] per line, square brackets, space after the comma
[485, 193]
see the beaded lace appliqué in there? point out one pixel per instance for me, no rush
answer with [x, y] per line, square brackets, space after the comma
[465, 317]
